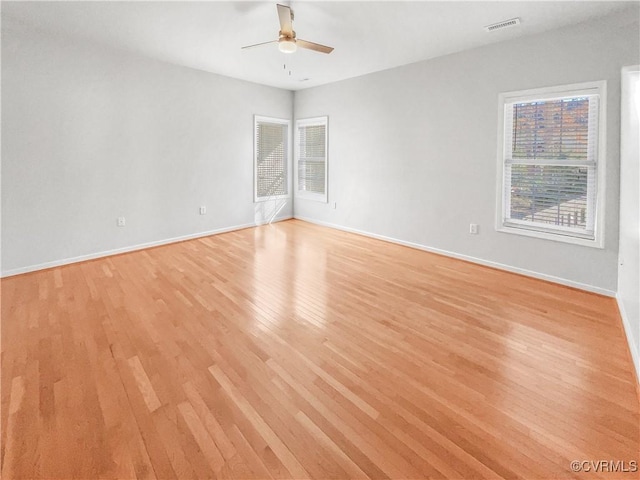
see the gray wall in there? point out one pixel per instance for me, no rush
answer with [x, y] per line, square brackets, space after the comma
[629, 264]
[412, 150]
[90, 134]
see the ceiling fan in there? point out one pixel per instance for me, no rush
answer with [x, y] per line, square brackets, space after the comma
[287, 41]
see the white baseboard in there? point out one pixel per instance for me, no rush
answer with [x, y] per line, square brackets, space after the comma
[281, 218]
[480, 261]
[274, 220]
[635, 355]
[132, 248]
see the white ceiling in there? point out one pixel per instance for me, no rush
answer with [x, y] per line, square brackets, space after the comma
[367, 36]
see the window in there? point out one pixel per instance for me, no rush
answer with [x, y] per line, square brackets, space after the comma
[271, 166]
[311, 158]
[552, 163]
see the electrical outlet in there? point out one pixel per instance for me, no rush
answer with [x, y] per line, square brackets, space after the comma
[121, 221]
[334, 205]
[203, 210]
[473, 228]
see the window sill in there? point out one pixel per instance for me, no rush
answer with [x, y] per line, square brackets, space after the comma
[312, 197]
[556, 237]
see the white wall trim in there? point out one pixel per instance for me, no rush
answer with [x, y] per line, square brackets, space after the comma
[133, 248]
[281, 121]
[635, 355]
[598, 88]
[479, 261]
[306, 122]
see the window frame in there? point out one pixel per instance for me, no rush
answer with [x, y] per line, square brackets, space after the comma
[548, 93]
[281, 121]
[323, 120]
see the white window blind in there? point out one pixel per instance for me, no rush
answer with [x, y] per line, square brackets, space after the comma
[311, 153]
[271, 158]
[550, 169]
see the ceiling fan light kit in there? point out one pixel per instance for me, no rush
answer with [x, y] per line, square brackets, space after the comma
[287, 42]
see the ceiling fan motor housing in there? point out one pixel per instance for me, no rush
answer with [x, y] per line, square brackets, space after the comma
[284, 36]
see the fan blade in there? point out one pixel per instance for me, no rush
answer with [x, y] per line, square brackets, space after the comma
[313, 46]
[258, 44]
[284, 13]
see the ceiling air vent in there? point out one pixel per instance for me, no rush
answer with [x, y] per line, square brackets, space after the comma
[500, 25]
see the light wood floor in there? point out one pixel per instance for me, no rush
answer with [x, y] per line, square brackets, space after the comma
[294, 351]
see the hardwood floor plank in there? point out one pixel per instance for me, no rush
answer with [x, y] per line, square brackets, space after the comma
[220, 438]
[17, 395]
[202, 437]
[352, 470]
[255, 464]
[142, 380]
[297, 351]
[274, 442]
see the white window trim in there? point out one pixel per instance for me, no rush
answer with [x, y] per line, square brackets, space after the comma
[281, 121]
[310, 195]
[548, 93]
